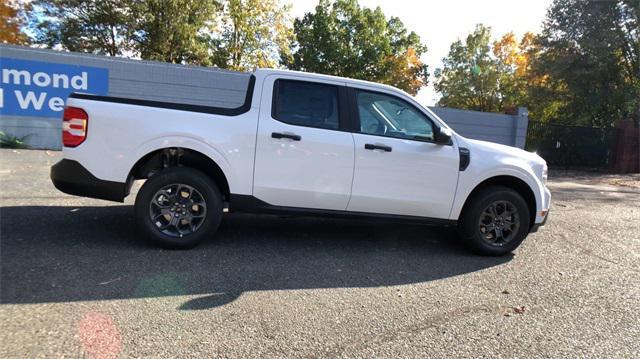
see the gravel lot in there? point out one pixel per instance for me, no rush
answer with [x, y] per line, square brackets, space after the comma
[78, 282]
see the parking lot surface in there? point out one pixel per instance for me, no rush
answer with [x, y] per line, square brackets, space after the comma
[77, 281]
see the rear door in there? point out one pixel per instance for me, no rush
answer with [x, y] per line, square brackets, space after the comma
[398, 167]
[304, 156]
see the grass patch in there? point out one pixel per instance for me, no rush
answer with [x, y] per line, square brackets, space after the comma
[11, 141]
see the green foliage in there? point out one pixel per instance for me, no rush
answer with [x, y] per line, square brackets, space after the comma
[234, 34]
[163, 30]
[591, 56]
[470, 77]
[95, 26]
[344, 39]
[583, 69]
[251, 34]
[486, 76]
[10, 141]
[175, 31]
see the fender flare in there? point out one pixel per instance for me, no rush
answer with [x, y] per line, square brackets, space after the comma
[187, 142]
[509, 171]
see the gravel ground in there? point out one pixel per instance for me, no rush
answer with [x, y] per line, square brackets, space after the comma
[77, 281]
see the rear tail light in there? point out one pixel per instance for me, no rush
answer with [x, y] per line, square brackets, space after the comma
[74, 126]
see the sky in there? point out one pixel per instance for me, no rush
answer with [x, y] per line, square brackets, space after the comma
[441, 22]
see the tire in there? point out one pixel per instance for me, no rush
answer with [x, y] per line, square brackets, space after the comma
[178, 208]
[481, 231]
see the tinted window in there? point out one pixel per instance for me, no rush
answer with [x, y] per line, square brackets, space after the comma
[390, 116]
[306, 104]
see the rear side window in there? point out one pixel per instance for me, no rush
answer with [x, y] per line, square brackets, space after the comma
[306, 104]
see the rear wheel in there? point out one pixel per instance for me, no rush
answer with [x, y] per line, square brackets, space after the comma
[495, 221]
[178, 207]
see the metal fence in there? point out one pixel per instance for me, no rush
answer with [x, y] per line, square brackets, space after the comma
[572, 146]
[510, 130]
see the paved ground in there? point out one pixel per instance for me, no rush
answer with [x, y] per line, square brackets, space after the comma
[77, 281]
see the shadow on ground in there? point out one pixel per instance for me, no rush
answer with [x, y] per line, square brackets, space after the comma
[61, 254]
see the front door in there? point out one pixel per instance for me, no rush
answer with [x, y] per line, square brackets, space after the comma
[303, 158]
[398, 167]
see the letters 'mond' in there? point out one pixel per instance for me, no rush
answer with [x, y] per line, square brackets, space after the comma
[43, 79]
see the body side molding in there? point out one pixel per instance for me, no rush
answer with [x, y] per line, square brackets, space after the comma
[251, 204]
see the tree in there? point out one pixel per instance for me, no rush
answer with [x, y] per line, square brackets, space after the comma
[176, 31]
[95, 26]
[499, 76]
[591, 54]
[344, 39]
[250, 34]
[513, 58]
[471, 76]
[11, 23]
[234, 34]
[519, 84]
[163, 30]
[524, 84]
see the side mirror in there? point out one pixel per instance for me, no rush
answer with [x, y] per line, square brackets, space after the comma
[443, 136]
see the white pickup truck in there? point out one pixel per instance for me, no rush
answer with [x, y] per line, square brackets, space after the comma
[303, 144]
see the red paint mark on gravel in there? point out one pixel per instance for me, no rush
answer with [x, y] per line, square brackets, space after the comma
[99, 336]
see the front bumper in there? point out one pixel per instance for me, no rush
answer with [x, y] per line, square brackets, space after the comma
[541, 217]
[536, 226]
[71, 177]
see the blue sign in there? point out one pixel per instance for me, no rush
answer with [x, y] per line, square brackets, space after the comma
[36, 88]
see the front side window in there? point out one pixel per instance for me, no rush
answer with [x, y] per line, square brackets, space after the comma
[306, 104]
[385, 115]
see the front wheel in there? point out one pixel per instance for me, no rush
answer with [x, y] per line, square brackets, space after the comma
[495, 221]
[178, 207]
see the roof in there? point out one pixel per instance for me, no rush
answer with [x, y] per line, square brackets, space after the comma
[268, 71]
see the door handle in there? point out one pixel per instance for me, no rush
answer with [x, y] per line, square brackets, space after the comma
[279, 135]
[370, 146]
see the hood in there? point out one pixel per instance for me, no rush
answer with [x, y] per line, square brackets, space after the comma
[509, 151]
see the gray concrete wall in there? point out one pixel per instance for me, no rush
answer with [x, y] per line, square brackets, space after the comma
[510, 130]
[204, 86]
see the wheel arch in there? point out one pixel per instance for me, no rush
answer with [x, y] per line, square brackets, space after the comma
[515, 183]
[159, 159]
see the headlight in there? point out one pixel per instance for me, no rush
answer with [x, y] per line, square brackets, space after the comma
[545, 174]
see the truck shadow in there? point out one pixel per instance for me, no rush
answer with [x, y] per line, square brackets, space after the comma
[61, 254]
